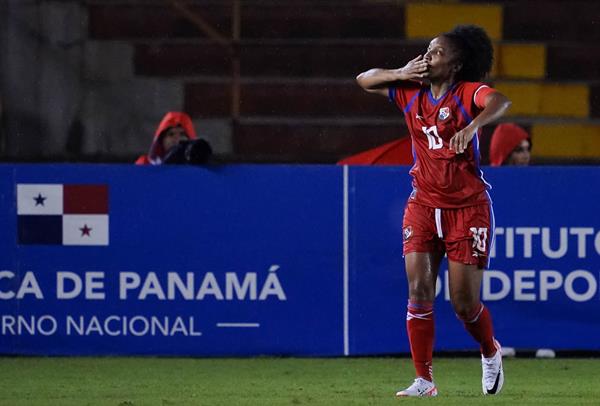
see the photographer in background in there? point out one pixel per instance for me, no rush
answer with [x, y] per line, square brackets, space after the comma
[175, 142]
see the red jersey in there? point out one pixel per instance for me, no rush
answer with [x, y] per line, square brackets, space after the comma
[442, 178]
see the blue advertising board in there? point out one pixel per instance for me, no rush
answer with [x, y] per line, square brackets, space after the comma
[542, 285]
[287, 260]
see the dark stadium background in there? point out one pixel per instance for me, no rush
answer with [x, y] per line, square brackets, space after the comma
[271, 81]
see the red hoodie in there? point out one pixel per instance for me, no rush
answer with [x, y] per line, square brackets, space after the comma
[157, 152]
[505, 139]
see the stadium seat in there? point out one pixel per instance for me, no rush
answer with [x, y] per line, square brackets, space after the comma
[520, 61]
[547, 99]
[429, 19]
[565, 141]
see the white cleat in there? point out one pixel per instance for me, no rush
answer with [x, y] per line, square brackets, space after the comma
[493, 374]
[420, 388]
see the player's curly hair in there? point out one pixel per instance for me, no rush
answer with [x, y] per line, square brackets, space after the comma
[475, 52]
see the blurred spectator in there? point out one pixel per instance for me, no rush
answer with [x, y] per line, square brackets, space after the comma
[175, 142]
[510, 145]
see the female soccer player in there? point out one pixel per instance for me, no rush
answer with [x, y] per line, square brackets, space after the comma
[449, 210]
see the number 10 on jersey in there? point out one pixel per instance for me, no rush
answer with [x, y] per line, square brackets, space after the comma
[435, 141]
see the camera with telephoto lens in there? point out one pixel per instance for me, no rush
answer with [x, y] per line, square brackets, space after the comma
[192, 152]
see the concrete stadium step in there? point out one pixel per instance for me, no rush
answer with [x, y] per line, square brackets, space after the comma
[308, 140]
[345, 58]
[575, 61]
[595, 100]
[328, 98]
[289, 139]
[552, 21]
[274, 58]
[315, 98]
[134, 20]
[535, 20]
[259, 19]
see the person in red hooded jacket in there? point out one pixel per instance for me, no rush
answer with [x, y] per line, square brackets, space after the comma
[510, 145]
[174, 128]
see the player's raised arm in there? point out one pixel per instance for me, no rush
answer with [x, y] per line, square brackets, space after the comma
[378, 80]
[496, 105]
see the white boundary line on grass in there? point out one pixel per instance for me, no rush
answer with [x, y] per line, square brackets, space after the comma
[346, 267]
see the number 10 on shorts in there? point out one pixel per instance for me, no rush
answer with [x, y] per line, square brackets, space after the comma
[479, 238]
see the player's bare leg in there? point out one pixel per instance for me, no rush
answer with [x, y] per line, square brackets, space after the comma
[422, 271]
[464, 286]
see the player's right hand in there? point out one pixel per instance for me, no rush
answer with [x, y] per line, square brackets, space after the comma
[414, 69]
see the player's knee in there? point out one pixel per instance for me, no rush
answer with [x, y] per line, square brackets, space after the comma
[421, 290]
[420, 294]
[467, 311]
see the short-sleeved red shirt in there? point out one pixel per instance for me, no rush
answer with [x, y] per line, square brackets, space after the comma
[442, 178]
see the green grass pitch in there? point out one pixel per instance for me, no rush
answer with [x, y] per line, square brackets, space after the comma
[286, 381]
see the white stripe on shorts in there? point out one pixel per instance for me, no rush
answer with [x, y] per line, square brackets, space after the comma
[438, 222]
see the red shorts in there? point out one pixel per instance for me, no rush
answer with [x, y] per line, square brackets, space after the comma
[465, 234]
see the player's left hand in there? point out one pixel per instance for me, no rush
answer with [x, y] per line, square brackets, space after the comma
[460, 140]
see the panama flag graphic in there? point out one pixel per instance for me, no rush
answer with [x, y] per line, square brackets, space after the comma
[62, 214]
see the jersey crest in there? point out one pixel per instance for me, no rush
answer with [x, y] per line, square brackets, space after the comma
[444, 113]
[407, 233]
